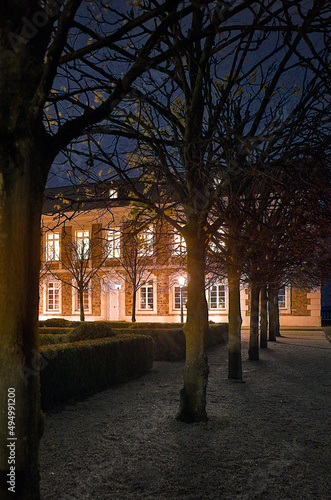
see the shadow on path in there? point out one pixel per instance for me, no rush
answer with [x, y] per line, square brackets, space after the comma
[267, 439]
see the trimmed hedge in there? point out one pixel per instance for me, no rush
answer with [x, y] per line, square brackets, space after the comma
[58, 323]
[154, 326]
[86, 367]
[170, 345]
[218, 334]
[51, 338]
[56, 330]
[90, 330]
[120, 324]
[168, 337]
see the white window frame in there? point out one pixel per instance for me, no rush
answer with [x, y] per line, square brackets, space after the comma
[179, 244]
[56, 286]
[284, 301]
[219, 294]
[151, 284]
[82, 242]
[287, 308]
[113, 244]
[176, 305]
[146, 242]
[52, 247]
[76, 305]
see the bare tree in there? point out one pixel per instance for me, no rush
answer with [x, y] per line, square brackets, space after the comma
[64, 67]
[61, 73]
[223, 111]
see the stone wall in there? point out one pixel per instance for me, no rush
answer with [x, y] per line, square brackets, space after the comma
[96, 297]
[66, 300]
[300, 302]
[128, 299]
[162, 293]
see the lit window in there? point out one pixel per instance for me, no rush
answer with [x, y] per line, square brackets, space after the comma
[178, 295]
[113, 244]
[53, 296]
[86, 300]
[52, 246]
[147, 296]
[82, 244]
[113, 193]
[145, 243]
[216, 296]
[179, 247]
[282, 298]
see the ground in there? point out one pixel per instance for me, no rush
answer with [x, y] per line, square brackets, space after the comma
[267, 439]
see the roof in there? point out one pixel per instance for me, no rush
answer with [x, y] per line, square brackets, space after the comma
[83, 197]
[94, 196]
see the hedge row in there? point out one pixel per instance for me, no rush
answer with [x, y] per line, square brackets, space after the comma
[54, 330]
[169, 341]
[90, 330]
[218, 334]
[52, 338]
[58, 323]
[66, 323]
[153, 326]
[170, 345]
[80, 368]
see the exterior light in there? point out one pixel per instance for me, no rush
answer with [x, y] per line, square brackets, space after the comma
[181, 281]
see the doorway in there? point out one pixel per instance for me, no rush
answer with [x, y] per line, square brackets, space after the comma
[114, 302]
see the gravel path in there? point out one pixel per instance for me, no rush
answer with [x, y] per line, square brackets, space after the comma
[268, 438]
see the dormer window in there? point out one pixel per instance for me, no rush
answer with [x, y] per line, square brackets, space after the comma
[113, 194]
[52, 247]
[82, 245]
[145, 242]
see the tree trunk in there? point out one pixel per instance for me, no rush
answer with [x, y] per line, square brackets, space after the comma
[264, 318]
[235, 363]
[81, 303]
[273, 314]
[21, 197]
[253, 350]
[276, 309]
[195, 373]
[134, 300]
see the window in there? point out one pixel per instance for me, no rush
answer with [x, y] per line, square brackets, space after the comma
[82, 244]
[113, 193]
[53, 296]
[179, 247]
[147, 296]
[113, 244]
[145, 242]
[52, 246]
[216, 297]
[86, 300]
[178, 296]
[282, 298]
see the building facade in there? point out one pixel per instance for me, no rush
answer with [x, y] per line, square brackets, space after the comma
[86, 256]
